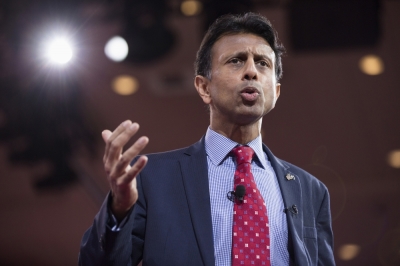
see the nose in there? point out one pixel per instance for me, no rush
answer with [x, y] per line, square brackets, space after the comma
[250, 70]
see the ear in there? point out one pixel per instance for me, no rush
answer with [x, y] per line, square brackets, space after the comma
[201, 83]
[277, 90]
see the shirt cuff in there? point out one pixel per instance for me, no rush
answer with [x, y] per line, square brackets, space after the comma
[112, 222]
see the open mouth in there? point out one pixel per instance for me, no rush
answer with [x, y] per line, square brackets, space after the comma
[250, 94]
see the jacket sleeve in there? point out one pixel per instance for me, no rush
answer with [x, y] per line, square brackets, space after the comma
[324, 232]
[102, 246]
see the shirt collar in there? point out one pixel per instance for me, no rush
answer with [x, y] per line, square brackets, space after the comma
[218, 147]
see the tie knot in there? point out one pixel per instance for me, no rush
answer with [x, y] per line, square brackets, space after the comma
[243, 154]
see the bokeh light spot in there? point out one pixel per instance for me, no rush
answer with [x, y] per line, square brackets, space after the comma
[394, 159]
[116, 49]
[125, 85]
[349, 251]
[191, 7]
[371, 65]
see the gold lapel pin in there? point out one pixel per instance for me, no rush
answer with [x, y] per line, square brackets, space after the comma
[290, 177]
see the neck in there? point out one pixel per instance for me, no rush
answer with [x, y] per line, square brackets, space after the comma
[241, 134]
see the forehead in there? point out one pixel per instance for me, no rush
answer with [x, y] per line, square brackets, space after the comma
[241, 43]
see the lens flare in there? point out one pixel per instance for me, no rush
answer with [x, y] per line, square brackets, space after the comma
[59, 51]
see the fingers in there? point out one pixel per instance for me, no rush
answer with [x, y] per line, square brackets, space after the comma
[106, 134]
[129, 154]
[115, 142]
[134, 171]
[117, 139]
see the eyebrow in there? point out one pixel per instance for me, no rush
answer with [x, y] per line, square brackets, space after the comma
[242, 54]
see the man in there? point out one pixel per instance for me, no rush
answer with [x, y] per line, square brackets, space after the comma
[176, 211]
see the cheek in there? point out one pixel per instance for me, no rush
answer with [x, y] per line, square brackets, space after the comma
[221, 88]
[270, 96]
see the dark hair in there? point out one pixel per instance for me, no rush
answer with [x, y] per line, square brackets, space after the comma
[235, 24]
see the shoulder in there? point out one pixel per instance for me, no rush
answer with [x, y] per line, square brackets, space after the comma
[177, 154]
[305, 177]
[169, 160]
[167, 155]
[314, 192]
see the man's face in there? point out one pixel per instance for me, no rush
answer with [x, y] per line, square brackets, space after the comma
[243, 86]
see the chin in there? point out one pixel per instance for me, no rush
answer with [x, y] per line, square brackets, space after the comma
[248, 118]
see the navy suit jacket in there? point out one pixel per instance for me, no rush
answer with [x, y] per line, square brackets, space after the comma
[170, 224]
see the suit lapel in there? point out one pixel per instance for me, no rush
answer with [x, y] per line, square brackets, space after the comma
[290, 185]
[195, 179]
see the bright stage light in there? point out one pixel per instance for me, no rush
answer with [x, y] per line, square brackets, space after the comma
[59, 51]
[116, 49]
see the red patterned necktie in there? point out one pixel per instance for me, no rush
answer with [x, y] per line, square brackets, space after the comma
[250, 232]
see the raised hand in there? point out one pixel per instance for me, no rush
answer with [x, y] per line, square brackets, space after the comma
[121, 176]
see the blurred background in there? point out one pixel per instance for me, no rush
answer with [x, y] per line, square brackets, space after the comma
[69, 69]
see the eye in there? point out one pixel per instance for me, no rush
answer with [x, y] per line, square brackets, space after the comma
[263, 63]
[234, 61]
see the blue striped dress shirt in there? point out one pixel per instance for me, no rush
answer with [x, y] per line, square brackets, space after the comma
[221, 169]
